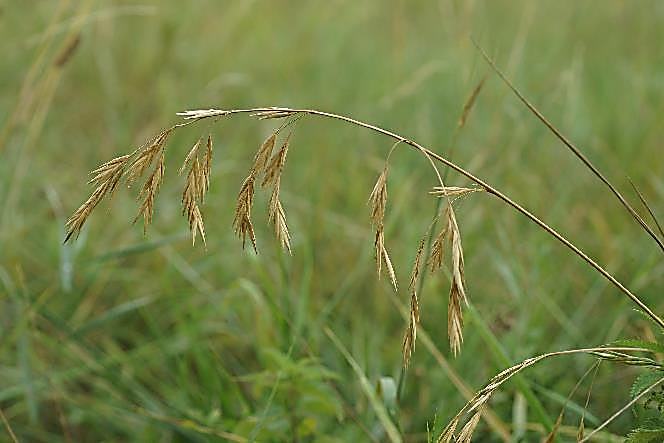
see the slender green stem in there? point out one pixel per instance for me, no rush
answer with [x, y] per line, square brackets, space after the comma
[571, 147]
[487, 187]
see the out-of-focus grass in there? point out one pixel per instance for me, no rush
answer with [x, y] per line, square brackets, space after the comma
[123, 337]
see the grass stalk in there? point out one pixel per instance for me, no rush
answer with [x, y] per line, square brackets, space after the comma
[198, 115]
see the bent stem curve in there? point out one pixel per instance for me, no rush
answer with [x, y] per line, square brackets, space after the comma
[277, 112]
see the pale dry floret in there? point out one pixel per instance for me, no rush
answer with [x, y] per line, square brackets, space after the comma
[274, 113]
[437, 256]
[275, 167]
[378, 202]
[457, 291]
[242, 220]
[410, 336]
[382, 257]
[466, 433]
[264, 153]
[277, 217]
[447, 435]
[378, 199]
[452, 191]
[198, 114]
[106, 177]
[146, 154]
[149, 193]
[196, 186]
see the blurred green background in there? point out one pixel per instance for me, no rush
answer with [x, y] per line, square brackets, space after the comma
[124, 337]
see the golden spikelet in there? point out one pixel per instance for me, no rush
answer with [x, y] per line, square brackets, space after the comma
[242, 221]
[146, 154]
[274, 113]
[466, 433]
[457, 292]
[414, 317]
[277, 217]
[437, 255]
[274, 169]
[196, 186]
[149, 193]
[106, 177]
[454, 320]
[457, 254]
[447, 435]
[207, 166]
[264, 153]
[452, 191]
[382, 257]
[378, 201]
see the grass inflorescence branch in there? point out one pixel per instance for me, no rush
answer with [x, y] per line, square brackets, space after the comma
[266, 171]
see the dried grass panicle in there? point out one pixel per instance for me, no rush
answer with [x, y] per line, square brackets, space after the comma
[277, 217]
[410, 336]
[196, 186]
[466, 433]
[457, 290]
[149, 193]
[106, 178]
[458, 265]
[276, 214]
[146, 154]
[242, 220]
[447, 435]
[264, 153]
[437, 255]
[382, 257]
[207, 165]
[275, 167]
[378, 201]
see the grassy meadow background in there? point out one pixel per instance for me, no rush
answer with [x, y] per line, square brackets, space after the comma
[124, 337]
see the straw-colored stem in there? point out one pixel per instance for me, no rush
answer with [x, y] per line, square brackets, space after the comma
[490, 189]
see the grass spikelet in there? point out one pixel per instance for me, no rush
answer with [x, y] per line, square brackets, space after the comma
[146, 155]
[277, 217]
[414, 318]
[466, 433]
[106, 177]
[437, 255]
[111, 172]
[452, 191]
[149, 193]
[207, 166]
[447, 436]
[193, 153]
[470, 102]
[276, 214]
[274, 113]
[457, 254]
[242, 220]
[77, 219]
[196, 186]
[457, 291]
[378, 201]
[455, 320]
[275, 167]
[264, 153]
[382, 257]
[198, 114]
